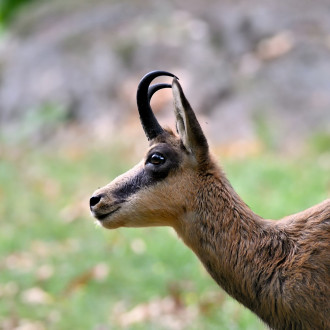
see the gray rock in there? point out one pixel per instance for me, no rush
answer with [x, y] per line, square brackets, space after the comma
[243, 64]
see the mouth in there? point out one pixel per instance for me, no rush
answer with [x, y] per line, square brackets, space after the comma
[101, 217]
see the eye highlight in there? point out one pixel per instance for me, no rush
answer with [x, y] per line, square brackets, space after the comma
[156, 159]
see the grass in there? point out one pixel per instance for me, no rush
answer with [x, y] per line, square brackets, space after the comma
[60, 271]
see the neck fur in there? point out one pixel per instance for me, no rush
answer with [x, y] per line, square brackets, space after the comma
[236, 246]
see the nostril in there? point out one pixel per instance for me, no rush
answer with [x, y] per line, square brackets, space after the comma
[95, 200]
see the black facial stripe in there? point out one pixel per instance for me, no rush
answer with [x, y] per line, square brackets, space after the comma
[143, 179]
[132, 186]
[150, 174]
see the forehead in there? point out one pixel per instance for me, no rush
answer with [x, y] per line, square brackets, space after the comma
[168, 140]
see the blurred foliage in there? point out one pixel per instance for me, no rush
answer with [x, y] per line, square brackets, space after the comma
[38, 124]
[8, 9]
[42, 120]
[60, 272]
[320, 142]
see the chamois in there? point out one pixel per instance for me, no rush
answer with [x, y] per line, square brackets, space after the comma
[280, 270]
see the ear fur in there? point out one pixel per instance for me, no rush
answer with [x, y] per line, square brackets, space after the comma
[187, 124]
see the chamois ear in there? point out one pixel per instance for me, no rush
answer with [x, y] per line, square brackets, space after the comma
[187, 124]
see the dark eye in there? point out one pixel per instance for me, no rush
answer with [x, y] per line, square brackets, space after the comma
[156, 159]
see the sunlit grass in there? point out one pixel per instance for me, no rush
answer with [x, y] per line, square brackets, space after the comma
[60, 271]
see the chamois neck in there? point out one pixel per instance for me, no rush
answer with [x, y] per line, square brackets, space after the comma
[225, 234]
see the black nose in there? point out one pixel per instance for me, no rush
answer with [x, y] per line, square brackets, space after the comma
[95, 200]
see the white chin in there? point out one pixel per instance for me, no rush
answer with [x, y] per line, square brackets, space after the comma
[98, 223]
[109, 224]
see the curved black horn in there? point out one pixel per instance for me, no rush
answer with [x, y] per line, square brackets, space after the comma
[154, 88]
[148, 120]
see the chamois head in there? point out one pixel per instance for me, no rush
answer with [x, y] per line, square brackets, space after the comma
[160, 190]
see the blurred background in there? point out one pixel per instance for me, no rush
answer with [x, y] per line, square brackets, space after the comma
[256, 73]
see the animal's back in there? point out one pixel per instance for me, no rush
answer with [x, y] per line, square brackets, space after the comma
[306, 275]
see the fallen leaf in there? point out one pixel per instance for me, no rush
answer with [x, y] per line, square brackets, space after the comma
[36, 296]
[30, 325]
[101, 272]
[44, 272]
[165, 312]
[138, 246]
[21, 261]
[98, 272]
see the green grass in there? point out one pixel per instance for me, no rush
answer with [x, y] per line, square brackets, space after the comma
[60, 271]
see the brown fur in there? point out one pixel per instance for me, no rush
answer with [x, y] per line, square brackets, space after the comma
[278, 269]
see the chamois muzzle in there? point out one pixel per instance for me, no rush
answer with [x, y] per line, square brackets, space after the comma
[144, 93]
